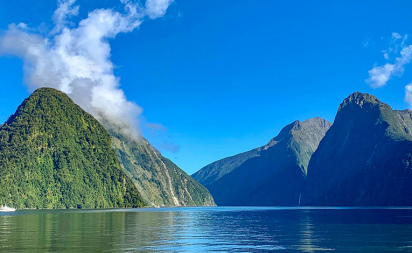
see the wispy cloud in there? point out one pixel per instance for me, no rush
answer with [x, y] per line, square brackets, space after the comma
[75, 58]
[61, 15]
[157, 8]
[380, 75]
[396, 43]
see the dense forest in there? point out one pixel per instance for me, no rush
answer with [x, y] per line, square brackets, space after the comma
[53, 154]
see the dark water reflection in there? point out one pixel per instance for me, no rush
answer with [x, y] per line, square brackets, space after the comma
[207, 229]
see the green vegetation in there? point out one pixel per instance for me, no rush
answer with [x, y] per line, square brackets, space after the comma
[159, 180]
[55, 155]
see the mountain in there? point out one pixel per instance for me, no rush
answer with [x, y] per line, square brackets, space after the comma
[216, 170]
[272, 175]
[365, 159]
[55, 155]
[158, 179]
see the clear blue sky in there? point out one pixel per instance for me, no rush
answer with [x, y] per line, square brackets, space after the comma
[225, 76]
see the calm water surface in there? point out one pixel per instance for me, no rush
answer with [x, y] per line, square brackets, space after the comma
[234, 229]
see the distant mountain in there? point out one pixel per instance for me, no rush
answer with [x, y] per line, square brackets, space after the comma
[158, 179]
[216, 170]
[272, 175]
[55, 155]
[365, 159]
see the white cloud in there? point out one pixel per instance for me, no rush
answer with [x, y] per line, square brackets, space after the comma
[408, 94]
[380, 75]
[396, 43]
[396, 36]
[76, 59]
[157, 8]
[23, 26]
[64, 11]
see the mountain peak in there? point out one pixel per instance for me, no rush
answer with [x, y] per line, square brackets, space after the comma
[46, 92]
[269, 175]
[360, 99]
[296, 126]
[364, 158]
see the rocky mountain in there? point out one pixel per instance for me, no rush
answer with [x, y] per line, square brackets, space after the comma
[365, 159]
[158, 179]
[55, 155]
[272, 175]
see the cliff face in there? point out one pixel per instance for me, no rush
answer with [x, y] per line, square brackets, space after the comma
[55, 155]
[365, 159]
[158, 179]
[272, 175]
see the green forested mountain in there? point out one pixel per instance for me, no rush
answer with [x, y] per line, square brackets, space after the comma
[55, 155]
[365, 159]
[271, 175]
[158, 179]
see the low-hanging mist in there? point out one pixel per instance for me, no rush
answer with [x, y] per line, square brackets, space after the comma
[75, 58]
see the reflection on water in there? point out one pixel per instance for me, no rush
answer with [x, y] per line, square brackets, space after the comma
[206, 229]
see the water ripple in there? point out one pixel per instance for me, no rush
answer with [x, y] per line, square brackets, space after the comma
[212, 229]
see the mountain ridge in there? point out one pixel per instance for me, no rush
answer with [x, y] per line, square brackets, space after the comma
[159, 180]
[278, 166]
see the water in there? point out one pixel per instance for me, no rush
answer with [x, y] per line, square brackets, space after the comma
[234, 229]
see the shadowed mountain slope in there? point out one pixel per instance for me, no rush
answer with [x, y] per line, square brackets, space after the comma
[365, 159]
[272, 175]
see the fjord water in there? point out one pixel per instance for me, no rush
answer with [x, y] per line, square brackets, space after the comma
[207, 229]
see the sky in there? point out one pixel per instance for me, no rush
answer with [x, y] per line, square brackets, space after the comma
[203, 80]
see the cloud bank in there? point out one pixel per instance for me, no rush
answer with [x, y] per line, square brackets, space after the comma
[75, 58]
